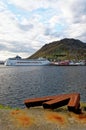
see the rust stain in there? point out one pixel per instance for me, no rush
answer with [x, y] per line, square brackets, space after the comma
[14, 112]
[80, 118]
[24, 120]
[21, 118]
[54, 117]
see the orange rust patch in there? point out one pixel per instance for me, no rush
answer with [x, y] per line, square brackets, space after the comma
[57, 118]
[81, 117]
[15, 112]
[24, 120]
[21, 118]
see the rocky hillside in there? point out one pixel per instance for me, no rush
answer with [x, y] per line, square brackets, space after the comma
[62, 50]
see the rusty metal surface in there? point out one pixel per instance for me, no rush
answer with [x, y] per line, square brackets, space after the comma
[51, 102]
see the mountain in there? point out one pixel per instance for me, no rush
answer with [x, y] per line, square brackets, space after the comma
[65, 49]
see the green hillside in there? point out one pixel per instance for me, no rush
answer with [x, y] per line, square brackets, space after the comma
[65, 49]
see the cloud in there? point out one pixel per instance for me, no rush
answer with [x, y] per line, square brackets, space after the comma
[31, 4]
[69, 9]
[77, 30]
[2, 47]
[25, 26]
[2, 6]
[79, 11]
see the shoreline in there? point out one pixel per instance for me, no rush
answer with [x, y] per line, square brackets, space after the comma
[37, 118]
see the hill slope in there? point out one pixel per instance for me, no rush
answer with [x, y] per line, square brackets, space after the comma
[63, 49]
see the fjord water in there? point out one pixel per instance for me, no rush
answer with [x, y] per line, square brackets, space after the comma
[20, 83]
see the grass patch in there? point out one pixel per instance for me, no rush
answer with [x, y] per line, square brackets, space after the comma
[83, 105]
[8, 107]
[4, 107]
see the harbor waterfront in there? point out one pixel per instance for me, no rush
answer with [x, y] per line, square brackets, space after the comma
[18, 83]
[18, 61]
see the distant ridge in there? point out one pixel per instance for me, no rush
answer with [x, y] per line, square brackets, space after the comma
[65, 49]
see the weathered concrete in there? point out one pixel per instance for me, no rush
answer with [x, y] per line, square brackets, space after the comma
[37, 118]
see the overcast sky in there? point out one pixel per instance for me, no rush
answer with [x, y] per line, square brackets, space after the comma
[26, 25]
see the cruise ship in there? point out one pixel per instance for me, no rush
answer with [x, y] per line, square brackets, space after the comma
[18, 61]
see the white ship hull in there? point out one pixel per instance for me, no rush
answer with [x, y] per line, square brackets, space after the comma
[23, 62]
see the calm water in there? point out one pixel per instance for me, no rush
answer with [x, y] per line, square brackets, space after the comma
[20, 83]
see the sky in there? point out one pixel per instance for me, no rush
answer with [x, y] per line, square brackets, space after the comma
[27, 25]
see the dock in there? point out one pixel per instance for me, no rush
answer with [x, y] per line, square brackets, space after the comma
[52, 102]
